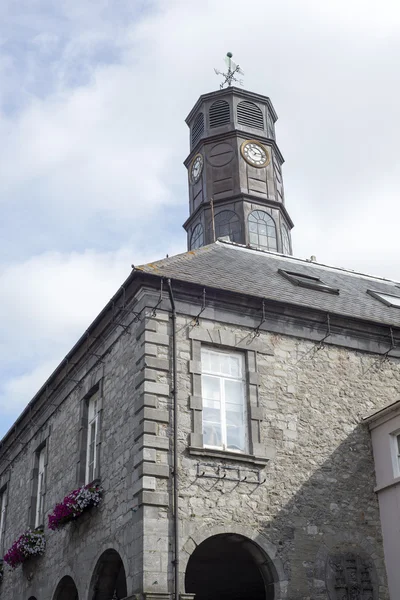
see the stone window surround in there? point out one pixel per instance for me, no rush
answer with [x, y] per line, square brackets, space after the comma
[260, 453]
[4, 488]
[41, 444]
[93, 387]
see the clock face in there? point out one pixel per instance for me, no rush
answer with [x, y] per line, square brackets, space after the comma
[255, 153]
[196, 168]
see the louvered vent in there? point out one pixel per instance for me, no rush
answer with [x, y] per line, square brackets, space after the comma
[250, 115]
[220, 113]
[197, 129]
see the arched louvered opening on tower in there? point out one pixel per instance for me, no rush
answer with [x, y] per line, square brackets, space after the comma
[262, 230]
[227, 225]
[197, 237]
[197, 128]
[220, 113]
[250, 115]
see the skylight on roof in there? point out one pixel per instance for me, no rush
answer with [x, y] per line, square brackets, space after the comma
[308, 281]
[387, 299]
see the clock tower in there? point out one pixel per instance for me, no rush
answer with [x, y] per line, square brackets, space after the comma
[235, 173]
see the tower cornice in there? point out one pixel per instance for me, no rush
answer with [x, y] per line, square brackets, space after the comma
[220, 137]
[246, 197]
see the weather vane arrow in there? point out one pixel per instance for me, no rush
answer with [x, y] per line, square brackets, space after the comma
[233, 68]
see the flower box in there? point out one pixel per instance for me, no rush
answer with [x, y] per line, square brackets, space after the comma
[74, 505]
[31, 543]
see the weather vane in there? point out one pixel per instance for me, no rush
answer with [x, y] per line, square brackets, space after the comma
[232, 69]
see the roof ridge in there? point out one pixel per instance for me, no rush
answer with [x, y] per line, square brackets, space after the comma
[305, 261]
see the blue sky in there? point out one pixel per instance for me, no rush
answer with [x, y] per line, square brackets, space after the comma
[93, 97]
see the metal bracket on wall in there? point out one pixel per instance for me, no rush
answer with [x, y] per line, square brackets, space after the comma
[154, 311]
[257, 330]
[384, 357]
[230, 473]
[196, 321]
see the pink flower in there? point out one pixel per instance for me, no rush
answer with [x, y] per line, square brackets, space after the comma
[74, 504]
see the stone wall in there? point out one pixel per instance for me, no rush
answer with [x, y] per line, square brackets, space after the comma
[317, 498]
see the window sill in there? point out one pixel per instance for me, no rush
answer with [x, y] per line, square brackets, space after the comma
[226, 455]
[395, 481]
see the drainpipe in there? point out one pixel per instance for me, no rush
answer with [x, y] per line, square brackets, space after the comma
[175, 445]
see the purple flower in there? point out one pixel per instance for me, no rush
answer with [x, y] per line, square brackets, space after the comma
[30, 543]
[74, 504]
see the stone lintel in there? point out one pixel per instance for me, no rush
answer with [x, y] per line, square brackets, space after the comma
[221, 337]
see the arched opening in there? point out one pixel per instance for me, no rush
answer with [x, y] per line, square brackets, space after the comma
[197, 237]
[250, 114]
[285, 239]
[230, 567]
[220, 113]
[262, 230]
[227, 224]
[197, 129]
[109, 579]
[66, 590]
[32, 598]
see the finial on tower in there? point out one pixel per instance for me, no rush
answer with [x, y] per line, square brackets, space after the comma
[232, 69]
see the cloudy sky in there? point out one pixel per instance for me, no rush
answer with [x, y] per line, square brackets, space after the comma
[93, 96]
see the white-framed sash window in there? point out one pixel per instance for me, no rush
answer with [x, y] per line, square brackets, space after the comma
[40, 487]
[223, 384]
[92, 438]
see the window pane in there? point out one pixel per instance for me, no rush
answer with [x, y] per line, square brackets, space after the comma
[205, 361]
[398, 444]
[212, 434]
[234, 392]
[211, 388]
[235, 439]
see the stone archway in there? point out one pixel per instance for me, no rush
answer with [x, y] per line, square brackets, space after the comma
[109, 578]
[230, 567]
[66, 590]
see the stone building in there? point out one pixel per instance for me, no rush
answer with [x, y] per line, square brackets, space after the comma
[219, 400]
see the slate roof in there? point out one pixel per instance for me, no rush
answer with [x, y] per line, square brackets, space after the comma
[227, 266]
